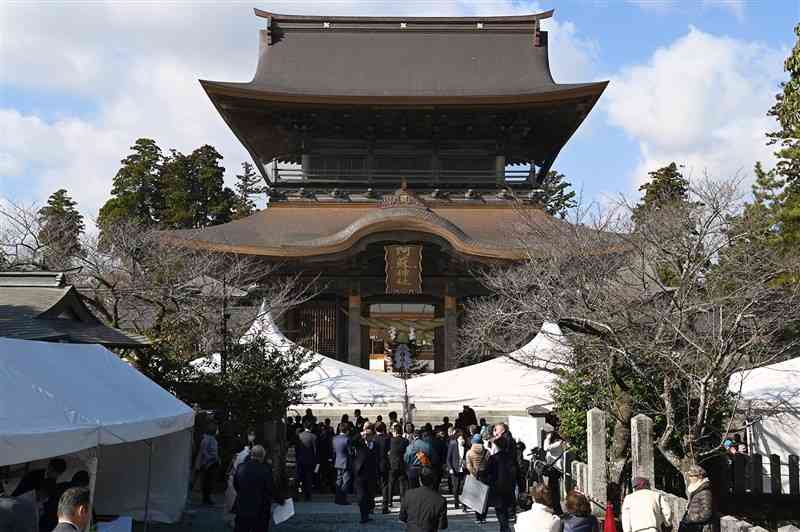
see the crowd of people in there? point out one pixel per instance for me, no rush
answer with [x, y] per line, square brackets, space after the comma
[389, 457]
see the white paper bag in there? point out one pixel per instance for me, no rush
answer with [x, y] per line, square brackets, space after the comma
[282, 512]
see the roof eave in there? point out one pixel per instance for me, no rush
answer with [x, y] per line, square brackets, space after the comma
[510, 19]
[246, 91]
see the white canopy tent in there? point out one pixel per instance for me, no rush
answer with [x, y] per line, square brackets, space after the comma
[773, 396]
[62, 399]
[500, 383]
[332, 383]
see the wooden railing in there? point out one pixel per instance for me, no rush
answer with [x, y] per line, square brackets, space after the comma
[768, 486]
[296, 177]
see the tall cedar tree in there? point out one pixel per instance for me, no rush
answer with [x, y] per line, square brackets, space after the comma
[557, 198]
[248, 184]
[194, 191]
[136, 194]
[61, 227]
[786, 206]
[665, 187]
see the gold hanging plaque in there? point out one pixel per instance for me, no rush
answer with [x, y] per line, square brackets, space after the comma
[403, 269]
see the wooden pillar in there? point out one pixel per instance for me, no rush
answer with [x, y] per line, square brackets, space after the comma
[500, 169]
[354, 347]
[450, 333]
[305, 164]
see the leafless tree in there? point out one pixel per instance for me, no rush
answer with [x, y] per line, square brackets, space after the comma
[672, 305]
[181, 297]
[20, 246]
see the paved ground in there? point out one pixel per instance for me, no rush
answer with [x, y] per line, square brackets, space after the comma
[322, 515]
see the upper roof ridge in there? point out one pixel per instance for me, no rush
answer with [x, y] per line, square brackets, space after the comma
[507, 19]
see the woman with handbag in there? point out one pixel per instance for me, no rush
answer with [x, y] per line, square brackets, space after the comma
[699, 509]
[476, 466]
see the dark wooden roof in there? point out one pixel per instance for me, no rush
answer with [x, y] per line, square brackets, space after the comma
[436, 60]
[297, 230]
[361, 66]
[41, 306]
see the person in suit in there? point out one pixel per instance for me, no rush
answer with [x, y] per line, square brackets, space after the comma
[397, 469]
[359, 421]
[306, 453]
[365, 472]
[457, 464]
[502, 476]
[36, 479]
[73, 511]
[382, 444]
[423, 509]
[254, 493]
[438, 456]
[341, 462]
[48, 517]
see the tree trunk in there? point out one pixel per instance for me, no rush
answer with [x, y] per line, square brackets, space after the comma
[620, 445]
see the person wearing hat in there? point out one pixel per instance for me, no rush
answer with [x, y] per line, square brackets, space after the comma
[477, 464]
[644, 510]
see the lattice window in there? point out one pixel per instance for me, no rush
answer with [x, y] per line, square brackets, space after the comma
[317, 327]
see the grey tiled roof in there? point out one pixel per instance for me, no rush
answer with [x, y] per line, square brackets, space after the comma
[44, 308]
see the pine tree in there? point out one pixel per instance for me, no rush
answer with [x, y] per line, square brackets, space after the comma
[665, 187]
[776, 193]
[557, 198]
[135, 194]
[61, 227]
[248, 184]
[787, 112]
[193, 190]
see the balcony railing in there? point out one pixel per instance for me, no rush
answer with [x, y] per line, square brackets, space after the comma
[288, 176]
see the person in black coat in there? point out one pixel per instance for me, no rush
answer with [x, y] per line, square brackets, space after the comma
[306, 453]
[457, 463]
[439, 445]
[383, 443]
[254, 493]
[342, 463]
[397, 466]
[502, 477]
[41, 479]
[365, 472]
[423, 509]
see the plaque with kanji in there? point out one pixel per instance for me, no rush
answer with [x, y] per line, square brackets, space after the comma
[403, 269]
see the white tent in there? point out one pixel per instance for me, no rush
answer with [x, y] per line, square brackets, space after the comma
[332, 383]
[773, 393]
[500, 383]
[59, 399]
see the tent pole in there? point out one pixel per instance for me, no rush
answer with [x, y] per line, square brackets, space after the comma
[147, 496]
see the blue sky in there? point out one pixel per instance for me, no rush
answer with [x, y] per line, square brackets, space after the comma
[691, 81]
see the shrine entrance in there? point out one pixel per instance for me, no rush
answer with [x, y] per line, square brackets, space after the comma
[389, 319]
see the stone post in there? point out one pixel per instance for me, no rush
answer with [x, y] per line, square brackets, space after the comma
[596, 443]
[354, 331]
[642, 448]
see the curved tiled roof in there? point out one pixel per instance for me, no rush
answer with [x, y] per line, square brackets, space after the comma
[299, 230]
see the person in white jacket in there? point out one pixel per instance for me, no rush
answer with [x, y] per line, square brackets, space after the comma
[645, 510]
[540, 517]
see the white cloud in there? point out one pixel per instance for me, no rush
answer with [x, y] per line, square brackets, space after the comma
[701, 101]
[138, 63]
